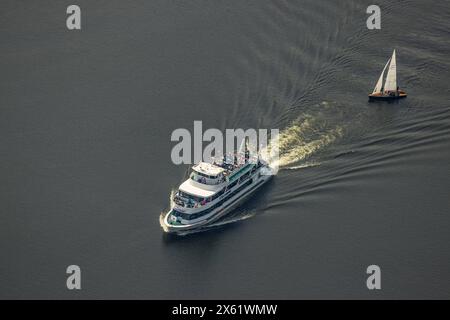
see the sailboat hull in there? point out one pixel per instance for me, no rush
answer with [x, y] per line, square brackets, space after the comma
[379, 96]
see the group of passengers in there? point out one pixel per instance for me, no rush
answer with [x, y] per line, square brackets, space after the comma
[192, 203]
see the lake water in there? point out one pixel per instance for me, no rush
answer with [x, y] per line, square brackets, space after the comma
[85, 167]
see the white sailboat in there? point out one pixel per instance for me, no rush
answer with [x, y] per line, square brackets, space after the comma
[388, 89]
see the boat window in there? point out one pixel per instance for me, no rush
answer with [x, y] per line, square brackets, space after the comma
[218, 194]
[203, 175]
[245, 176]
[232, 184]
[190, 197]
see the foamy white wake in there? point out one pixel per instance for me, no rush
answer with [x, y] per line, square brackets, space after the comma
[302, 139]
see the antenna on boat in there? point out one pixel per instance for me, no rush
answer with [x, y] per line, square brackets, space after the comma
[242, 146]
[246, 152]
[243, 149]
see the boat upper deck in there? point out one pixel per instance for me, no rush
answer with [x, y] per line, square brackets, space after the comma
[209, 169]
[207, 179]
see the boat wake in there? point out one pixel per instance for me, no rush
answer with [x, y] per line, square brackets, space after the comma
[302, 166]
[304, 139]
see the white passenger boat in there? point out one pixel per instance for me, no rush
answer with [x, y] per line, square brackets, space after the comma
[212, 191]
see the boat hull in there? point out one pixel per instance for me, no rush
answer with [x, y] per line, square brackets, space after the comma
[379, 97]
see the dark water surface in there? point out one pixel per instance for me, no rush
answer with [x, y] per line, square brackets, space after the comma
[85, 168]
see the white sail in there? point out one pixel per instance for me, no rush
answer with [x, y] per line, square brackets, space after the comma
[391, 78]
[379, 84]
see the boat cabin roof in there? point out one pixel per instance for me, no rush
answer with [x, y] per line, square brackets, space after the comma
[208, 169]
[196, 189]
